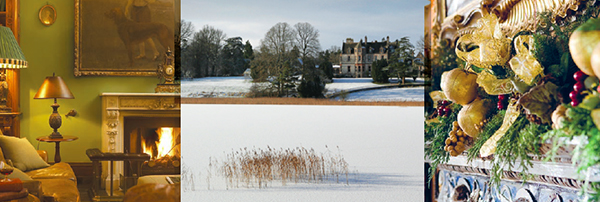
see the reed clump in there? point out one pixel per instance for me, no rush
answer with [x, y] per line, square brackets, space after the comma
[260, 167]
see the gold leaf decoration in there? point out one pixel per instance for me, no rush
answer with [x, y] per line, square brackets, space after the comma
[524, 64]
[512, 113]
[486, 46]
[493, 85]
[541, 100]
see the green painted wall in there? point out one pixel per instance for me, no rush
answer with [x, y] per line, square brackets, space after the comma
[51, 49]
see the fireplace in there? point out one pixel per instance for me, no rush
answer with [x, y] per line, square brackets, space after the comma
[159, 137]
[132, 118]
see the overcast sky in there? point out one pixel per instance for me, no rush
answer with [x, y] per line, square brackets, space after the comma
[336, 20]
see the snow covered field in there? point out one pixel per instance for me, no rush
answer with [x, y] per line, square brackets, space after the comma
[389, 95]
[382, 145]
[238, 87]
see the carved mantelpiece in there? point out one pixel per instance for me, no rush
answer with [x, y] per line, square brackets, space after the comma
[551, 181]
[117, 106]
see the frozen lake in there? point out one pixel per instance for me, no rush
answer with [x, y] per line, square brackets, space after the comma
[383, 147]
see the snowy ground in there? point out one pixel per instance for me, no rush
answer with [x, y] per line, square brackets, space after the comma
[388, 95]
[239, 86]
[382, 145]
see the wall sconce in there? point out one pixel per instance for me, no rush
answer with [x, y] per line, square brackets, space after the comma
[47, 15]
[11, 57]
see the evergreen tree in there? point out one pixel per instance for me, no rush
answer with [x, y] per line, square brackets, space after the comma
[311, 86]
[378, 73]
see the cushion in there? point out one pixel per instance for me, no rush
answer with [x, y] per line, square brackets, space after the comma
[1, 153]
[18, 174]
[22, 153]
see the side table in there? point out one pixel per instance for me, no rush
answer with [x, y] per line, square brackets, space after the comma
[57, 141]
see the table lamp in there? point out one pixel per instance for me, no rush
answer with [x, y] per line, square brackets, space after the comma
[54, 87]
[11, 57]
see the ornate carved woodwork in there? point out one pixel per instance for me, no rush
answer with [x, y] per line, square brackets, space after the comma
[10, 121]
[117, 106]
[514, 15]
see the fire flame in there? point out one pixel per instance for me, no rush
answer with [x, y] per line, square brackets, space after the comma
[164, 144]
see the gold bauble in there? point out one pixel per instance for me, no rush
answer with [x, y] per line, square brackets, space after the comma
[581, 44]
[459, 86]
[471, 116]
[595, 59]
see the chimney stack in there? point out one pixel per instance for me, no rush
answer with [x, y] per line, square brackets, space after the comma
[388, 38]
[366, 39]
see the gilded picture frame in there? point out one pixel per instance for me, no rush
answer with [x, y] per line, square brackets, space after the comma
[122, 37]
[47, 15]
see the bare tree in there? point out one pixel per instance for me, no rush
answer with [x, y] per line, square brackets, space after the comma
[279, 39]
[307, 39]
[277, 58]
[186, 31]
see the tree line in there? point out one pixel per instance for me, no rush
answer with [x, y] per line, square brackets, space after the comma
[289, 58]
[208, 52]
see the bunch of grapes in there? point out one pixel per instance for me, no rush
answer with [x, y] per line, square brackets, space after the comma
[502, 101]
[578, 87]
[457, 140]
[443, 108]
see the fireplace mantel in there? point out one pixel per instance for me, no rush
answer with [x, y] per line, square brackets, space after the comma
[117, 106]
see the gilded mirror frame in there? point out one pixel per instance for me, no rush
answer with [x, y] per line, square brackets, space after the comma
[47, 15]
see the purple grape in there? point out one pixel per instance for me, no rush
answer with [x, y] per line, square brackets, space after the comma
[579, 87]
[502, 97]
[579, 76]
[501, 106]
[446, 111]
[574, 95]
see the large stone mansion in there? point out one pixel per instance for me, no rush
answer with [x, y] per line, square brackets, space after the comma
[357, 57]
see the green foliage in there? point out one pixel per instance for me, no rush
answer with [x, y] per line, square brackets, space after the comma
[311, 85]
[579, 124]
[401, 58]
[552, 40]
[248, 51]
[232, 57]
[261, 90]
[378, 73]
[444, 60]
[520, 141]
[435, 139]
[488, 130]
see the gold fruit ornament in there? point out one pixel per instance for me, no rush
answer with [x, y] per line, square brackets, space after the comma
[459, 86]
[581, 44]
[471, 116]
[595, 58]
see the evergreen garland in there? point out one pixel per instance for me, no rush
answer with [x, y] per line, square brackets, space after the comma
[586, 156]
[435, 140]
[522, 141]
[488, 130]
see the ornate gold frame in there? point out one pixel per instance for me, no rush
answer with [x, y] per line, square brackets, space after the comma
[86, 71]
[50, 19]
[514, 15]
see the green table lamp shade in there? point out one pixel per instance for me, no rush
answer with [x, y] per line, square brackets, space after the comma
[11, 55]
[53, 88]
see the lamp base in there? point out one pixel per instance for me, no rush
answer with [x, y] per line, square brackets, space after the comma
[55, 135]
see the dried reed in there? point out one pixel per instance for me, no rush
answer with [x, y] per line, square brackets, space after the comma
[258, 167]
